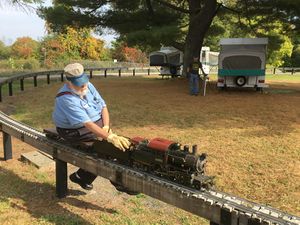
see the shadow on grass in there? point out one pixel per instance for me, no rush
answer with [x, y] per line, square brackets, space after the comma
[39, 200]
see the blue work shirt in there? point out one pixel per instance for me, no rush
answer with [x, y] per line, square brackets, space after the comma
[72, 112]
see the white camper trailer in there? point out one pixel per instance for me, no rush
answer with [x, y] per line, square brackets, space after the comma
[242, 62]
[204, 59]
[170, 60]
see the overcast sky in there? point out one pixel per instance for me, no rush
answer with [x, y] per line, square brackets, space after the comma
[16, 23]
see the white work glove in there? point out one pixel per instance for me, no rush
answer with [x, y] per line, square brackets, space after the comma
[119, 141]
[107, 129]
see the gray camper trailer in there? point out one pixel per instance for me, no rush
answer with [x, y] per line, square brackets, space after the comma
[242, 62]
[169, 59]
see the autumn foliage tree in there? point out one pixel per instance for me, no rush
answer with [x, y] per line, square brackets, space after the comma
[25, 48]
[134, 55]
[122, 52]
[80, 44]
[74, 44]
[52, 51]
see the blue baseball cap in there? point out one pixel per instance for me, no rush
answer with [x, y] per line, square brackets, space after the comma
[79, 81]
[75, 74]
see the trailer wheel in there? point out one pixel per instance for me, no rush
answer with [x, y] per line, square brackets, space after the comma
[240, 81]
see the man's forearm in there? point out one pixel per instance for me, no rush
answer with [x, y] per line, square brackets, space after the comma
[105, 116]
[94, 128]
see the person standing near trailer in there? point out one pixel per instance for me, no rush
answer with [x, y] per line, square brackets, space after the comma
[193, 71]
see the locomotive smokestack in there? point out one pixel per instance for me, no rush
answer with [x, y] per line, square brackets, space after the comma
[194, 149]
[186, 148]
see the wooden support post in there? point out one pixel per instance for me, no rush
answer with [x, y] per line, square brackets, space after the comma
[293, 71]
[274, 70]
[0, 93]
[204, 85]
[22, 84]
[225, 217]
[105, 73]
[7, 146]
[10, 90]
[61, 170]
[35, 81]
[62, 77]
[133, 72]
[91, 74]
[119, 72]
[48, 78]
[149, 72]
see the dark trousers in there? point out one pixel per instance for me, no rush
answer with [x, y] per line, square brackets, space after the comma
[75, 136]
[194, 84]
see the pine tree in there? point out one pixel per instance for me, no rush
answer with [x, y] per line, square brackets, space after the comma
[180, 23]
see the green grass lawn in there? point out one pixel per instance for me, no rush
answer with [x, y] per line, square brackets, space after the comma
[252, 140]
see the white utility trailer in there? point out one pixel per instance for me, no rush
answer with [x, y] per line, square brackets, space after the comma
[242, 62]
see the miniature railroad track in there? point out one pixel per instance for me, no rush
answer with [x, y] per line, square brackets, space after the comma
[218, 207]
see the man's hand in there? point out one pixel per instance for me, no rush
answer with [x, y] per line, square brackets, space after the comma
[119, 141]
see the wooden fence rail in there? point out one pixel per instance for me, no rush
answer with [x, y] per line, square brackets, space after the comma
[118, 71]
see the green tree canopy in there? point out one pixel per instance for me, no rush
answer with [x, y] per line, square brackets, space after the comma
[4, 51]
[181, 23]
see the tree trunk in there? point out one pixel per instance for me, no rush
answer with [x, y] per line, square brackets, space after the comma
[199, 23]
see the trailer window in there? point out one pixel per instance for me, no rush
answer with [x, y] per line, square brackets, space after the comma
[157, 60]
[242, 62]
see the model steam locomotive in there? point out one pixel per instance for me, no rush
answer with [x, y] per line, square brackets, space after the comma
[163, 158]
[158, 156]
